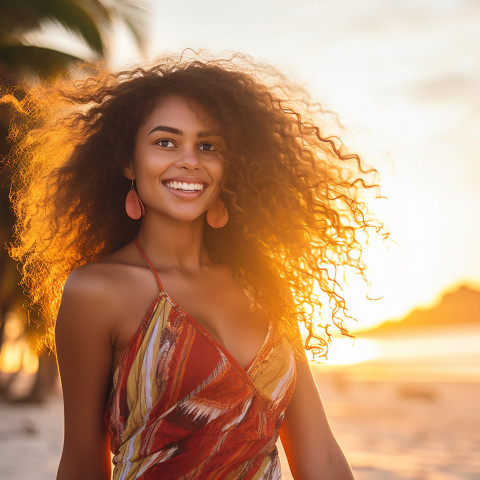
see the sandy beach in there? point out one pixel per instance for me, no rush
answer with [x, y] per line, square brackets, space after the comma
[389, 430]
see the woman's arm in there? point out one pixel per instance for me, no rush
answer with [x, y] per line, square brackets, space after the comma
[84, 352]
[312, 451]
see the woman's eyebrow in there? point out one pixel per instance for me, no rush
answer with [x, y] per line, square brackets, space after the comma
[176, 131]
[162, 128]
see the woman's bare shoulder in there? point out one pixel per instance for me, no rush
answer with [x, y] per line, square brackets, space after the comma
[89, 285]
[101, 277]
[95, 288]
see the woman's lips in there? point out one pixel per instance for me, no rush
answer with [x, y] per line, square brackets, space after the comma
[185, 187]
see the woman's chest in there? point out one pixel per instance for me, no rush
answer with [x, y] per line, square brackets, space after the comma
[226, 314]
[216, 303]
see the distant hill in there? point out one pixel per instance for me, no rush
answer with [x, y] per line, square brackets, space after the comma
[460, 307]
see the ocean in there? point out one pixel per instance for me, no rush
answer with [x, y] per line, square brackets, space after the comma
[442, 354]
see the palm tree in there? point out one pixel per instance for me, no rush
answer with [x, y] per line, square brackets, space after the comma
[22, 55]
[89, 20]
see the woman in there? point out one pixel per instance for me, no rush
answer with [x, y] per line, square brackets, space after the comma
[194, 210]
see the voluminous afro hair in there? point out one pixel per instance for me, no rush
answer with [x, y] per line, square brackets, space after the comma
[292, 191]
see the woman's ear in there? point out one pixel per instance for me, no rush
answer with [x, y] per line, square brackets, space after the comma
[129, 173]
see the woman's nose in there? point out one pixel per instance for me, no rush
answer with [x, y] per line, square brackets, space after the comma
[188, 159]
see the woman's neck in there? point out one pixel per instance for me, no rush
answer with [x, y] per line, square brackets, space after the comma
[171, 243]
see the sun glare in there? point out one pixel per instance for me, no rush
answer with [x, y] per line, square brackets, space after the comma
[16, 353]
[347, 351]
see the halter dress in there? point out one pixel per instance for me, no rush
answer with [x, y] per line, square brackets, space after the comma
[182, 407]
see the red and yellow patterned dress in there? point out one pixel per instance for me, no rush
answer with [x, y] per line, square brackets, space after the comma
[181, 407]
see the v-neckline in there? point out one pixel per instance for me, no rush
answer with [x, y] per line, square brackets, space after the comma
[233, 361]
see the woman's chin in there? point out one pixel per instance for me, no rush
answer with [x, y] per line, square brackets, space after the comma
[180, 217]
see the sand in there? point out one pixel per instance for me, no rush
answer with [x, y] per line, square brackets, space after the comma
[389, 430]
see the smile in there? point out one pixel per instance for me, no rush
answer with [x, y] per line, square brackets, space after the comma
[184, 186]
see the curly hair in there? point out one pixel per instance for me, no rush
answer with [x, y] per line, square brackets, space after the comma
[291, 189]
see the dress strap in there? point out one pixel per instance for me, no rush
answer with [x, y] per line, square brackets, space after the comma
[149, 263]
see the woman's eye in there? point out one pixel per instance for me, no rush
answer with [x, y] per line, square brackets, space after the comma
[165, 143]
[207, 147]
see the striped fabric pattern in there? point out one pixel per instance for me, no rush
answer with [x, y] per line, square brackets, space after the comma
[181, 407]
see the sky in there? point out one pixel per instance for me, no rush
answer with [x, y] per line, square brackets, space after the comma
[403, 76]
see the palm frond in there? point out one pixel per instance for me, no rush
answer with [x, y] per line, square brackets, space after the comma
[24, 15]
[133, 14]
[28, 58]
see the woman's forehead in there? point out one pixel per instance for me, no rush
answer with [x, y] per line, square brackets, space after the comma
[178, 111]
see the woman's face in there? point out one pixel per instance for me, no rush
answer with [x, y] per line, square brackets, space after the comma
[177, 164]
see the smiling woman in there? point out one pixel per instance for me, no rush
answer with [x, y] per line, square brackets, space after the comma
[240, 207]
[177, 168]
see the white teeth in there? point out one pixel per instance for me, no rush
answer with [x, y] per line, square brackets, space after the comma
[188, 187]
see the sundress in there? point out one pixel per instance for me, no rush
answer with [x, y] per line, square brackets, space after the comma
[182, 407]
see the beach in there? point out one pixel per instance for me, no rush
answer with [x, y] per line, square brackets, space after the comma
[389, 429]
[406, 429]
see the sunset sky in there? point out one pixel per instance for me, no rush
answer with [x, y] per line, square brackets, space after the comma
[404, 77]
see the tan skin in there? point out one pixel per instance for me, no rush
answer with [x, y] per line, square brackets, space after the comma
[104, 303]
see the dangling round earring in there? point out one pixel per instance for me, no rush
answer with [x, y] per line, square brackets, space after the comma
[133, 205]
[217, 214]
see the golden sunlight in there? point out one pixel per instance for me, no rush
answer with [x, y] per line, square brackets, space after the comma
[347, 351]
[16, 353]
[11, 358]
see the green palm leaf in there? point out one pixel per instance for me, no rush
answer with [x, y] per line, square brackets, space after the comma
[44, 61]
[18, 17]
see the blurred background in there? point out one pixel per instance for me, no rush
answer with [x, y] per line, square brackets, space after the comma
[404, 78]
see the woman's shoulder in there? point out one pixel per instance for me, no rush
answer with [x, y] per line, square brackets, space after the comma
[92, 280]
[106, 298]
[99, 285]
[102, 275]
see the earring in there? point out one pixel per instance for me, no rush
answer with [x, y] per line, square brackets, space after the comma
[217, 214]
[133, 205]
